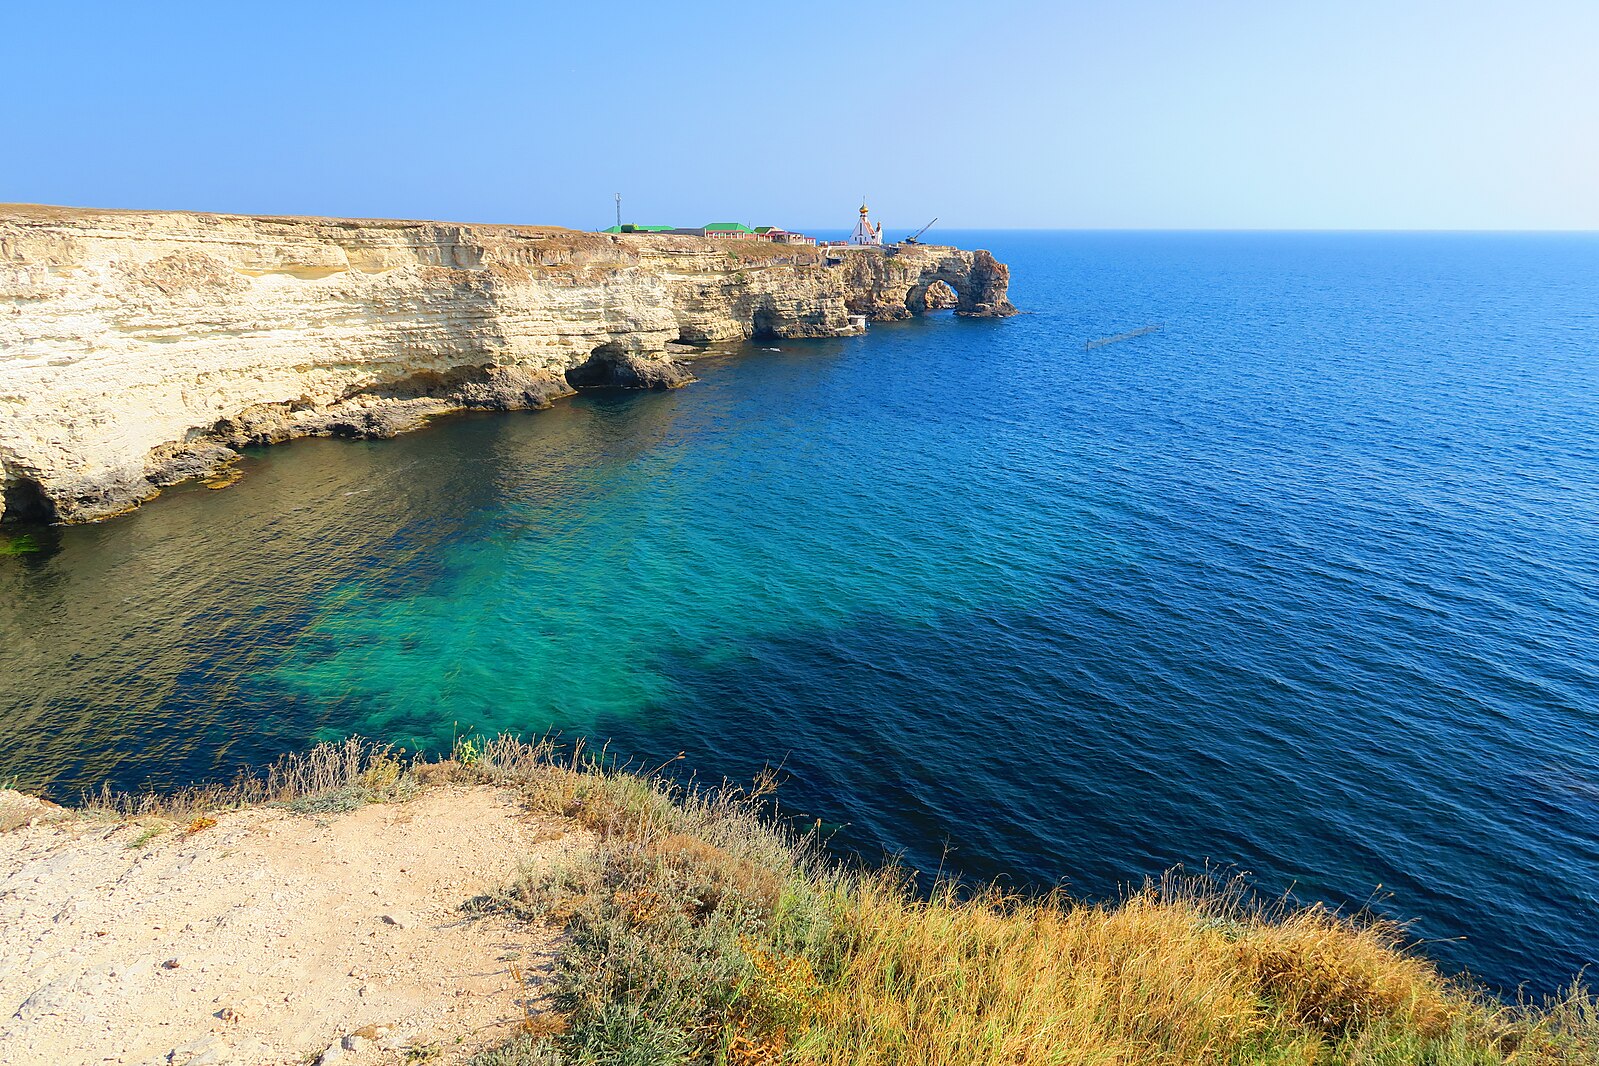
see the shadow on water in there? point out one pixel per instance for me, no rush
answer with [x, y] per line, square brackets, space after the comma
[1095, 778]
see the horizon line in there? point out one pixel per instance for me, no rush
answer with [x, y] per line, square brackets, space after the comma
[1509, 230]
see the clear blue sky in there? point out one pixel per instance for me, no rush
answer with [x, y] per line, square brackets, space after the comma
[1138, 113]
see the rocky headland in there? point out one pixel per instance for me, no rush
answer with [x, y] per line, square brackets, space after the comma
[140, 349]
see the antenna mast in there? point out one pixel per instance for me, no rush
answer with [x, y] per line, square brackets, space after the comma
[618, 210]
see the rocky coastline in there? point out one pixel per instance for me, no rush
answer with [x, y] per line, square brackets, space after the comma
[142, 349]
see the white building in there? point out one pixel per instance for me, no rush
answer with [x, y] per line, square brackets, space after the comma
[865, 232]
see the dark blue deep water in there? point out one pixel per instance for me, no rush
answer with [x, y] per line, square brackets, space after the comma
[1306, 584]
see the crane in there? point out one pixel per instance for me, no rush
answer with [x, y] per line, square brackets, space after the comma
[913, 238]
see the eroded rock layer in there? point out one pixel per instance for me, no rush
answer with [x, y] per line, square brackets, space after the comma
[138, 349]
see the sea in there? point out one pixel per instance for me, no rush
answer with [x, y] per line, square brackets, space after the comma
[1302, 587]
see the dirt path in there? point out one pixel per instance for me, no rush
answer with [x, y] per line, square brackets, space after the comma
[271, 937]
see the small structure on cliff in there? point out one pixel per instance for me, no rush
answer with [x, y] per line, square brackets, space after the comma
[866, 231]
[775, 234]
[728, 230]
[779, 235]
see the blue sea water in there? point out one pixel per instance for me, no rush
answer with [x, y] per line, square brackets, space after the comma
[1306, 584]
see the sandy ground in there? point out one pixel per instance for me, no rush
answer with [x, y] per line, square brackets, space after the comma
[270, 937]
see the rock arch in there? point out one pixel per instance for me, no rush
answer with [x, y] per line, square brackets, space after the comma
[23, 499]
[613, 366]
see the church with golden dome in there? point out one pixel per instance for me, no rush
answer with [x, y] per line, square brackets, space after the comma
[866, 232]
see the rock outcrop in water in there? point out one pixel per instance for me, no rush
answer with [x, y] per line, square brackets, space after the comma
[139, 349]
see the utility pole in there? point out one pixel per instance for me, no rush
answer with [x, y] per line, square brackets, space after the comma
[618, 210]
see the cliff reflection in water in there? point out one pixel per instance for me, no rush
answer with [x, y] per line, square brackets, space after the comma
[138, 651]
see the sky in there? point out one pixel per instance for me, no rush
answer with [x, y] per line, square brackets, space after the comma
[1253, 114]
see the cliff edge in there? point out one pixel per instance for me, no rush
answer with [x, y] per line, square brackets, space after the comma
[544, 907]
[139, 349]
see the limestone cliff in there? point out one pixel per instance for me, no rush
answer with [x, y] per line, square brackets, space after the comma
[138, 349]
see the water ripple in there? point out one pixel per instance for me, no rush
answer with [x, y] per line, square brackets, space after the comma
[1306, 584]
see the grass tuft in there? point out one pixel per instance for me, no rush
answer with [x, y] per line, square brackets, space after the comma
[327, 779]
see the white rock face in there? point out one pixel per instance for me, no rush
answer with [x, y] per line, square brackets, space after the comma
[139, 348]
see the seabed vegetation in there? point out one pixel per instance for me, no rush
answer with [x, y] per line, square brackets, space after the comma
[17, 544]
[701, 928]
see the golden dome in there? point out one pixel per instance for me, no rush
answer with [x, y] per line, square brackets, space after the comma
[863, 209]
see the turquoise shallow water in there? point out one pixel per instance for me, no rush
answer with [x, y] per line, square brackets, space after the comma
[1306, 584]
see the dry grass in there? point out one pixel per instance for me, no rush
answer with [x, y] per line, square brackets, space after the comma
[1175, 973]
[700, 932]
[997, 980]
[329, 777]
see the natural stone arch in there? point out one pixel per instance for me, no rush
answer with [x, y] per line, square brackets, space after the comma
[974, 284]
[615, 366]
[764, 321]
[23, 499]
